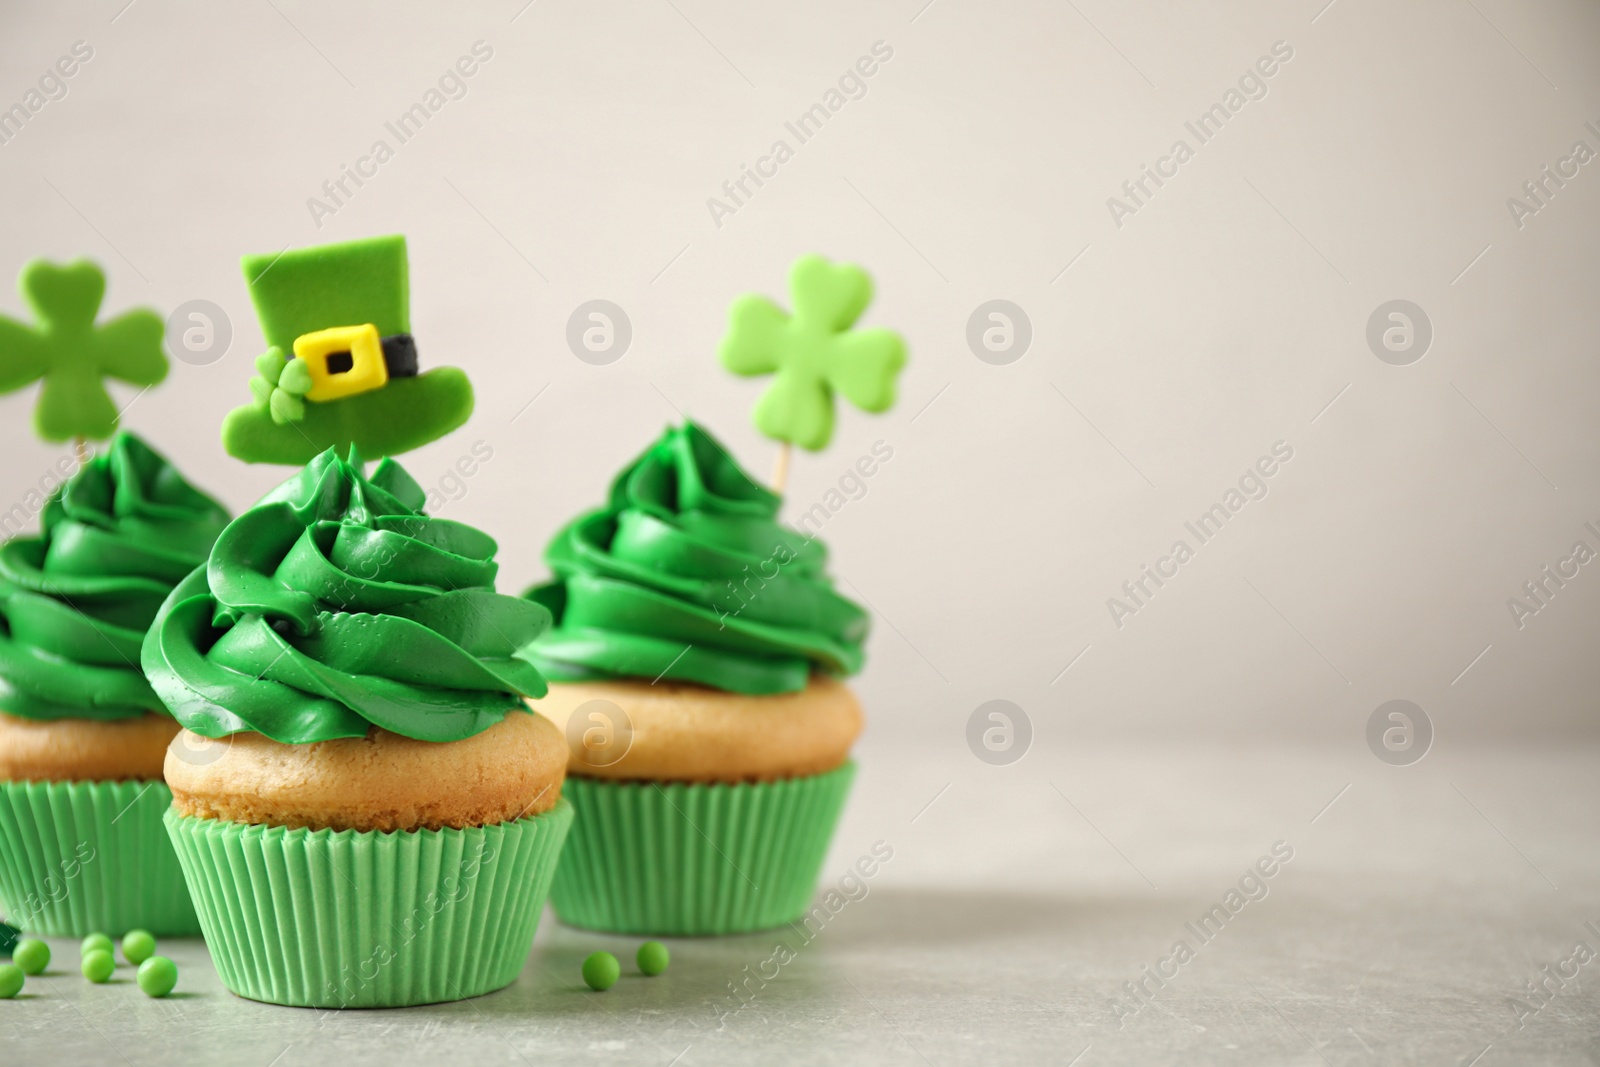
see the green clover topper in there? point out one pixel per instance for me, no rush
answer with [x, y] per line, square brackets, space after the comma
[813, 352]
[67, 349]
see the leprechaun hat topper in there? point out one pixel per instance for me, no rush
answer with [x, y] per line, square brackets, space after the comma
[341, 366]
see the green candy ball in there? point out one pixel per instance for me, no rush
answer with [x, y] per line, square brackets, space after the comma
[158, 976]
[138, 946]
[32, 955]
[653, 958]
[95, 943]
[98, 965]
[10, 980]
[601, 971]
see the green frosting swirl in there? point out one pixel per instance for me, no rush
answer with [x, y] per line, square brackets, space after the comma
[687, 574]
[75, 601]
[335, 605]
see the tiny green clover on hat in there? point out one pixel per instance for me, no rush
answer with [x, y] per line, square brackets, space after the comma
[341, 367]
[813, 351]
[73, 354]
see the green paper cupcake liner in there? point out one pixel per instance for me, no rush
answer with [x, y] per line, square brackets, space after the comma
[346, 919]
[80, 857]
[687, 859]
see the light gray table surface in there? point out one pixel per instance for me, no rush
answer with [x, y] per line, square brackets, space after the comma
[1418, 903]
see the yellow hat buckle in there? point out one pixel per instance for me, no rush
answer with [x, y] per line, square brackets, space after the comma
[343, 361]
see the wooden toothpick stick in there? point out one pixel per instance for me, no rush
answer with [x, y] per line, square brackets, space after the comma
[780, 469]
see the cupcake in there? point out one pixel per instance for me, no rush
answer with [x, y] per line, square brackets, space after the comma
[82, 735]
[695, 665]
[370, 815]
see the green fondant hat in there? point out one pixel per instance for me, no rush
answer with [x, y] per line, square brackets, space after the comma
[340, 370]
[347, 284]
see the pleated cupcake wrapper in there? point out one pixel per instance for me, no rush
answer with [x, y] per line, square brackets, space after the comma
[688, 859]
[81, 857]
[345, 919]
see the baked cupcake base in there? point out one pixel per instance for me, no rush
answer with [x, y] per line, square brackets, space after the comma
[84, 750]
[383, 781]
[368, 919]
[667, 731]
[686, 859]
[80, 857]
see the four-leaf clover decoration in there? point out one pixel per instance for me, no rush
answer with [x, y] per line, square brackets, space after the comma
[67, 349]
[813, 351]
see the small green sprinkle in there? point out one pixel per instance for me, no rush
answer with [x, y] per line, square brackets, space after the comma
[95, 943]
[158, 976]
[10, 980]
[601, 971]
[32, 955]
[98, 965]
[653, 958]
[138, 946]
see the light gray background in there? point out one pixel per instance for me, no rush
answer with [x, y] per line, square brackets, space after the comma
[1220, 319]
[1167, 355]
